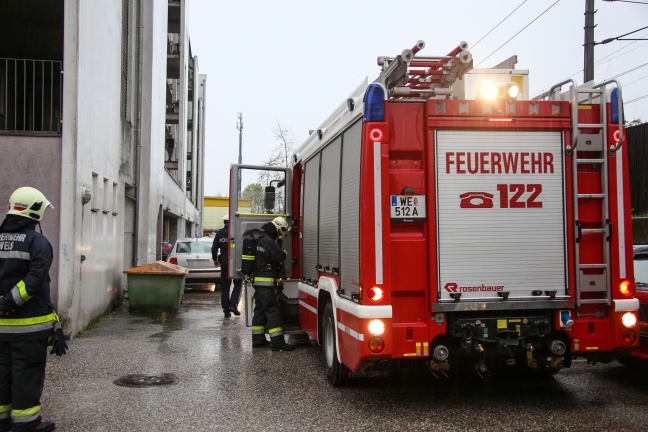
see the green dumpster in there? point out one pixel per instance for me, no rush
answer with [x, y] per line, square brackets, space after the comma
[156, 286]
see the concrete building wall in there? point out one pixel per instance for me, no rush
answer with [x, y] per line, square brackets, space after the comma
[102, 237]
[35, 165]
[114, 196]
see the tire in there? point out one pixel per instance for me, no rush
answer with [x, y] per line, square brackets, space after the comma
[336, 373]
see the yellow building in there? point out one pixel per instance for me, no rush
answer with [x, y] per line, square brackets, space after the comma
[215, 208]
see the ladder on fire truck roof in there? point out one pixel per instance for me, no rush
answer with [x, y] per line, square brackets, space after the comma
[408, 76]
[588, 147]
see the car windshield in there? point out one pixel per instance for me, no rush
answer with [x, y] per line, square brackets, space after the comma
[641, 272]
[193, 247]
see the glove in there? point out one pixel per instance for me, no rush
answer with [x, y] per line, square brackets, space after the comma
[5, 309]
[59, 347]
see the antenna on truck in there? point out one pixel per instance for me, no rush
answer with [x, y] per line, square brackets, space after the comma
[411, 76]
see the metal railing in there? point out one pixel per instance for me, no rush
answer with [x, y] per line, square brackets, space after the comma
[31, 95]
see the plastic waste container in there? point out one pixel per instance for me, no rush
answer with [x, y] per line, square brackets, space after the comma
[156, 286]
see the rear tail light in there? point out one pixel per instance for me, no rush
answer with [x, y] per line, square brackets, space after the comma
[173, 260]
[376, 327]
[376, 345]
[629, 320]
[375, 294]
[626, 288]
[630, 337]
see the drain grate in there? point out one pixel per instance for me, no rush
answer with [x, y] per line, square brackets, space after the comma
[146, 380]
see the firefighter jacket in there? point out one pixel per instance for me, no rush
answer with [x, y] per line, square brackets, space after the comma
[268, 259]
[25, 260]
[221, 245]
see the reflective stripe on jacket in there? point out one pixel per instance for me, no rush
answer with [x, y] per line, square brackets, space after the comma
[25, 260]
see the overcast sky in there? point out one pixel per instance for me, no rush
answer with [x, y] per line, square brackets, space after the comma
[295, 61]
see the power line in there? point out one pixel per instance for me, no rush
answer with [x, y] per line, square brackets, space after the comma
[608, 40]
[626, 1]
[512, 37]
[635, 99]
[622, 54]
[482, 38]
[603, 59]
[629, 70]
[632, 82]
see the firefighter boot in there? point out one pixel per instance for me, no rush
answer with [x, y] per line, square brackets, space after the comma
[277, 343]
[259, 340]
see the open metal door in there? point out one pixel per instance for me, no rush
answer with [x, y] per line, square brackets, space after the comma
[265, 194]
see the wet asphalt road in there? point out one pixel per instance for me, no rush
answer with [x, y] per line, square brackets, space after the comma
[224, 385]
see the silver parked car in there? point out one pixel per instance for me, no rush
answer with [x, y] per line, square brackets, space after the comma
[195, 254]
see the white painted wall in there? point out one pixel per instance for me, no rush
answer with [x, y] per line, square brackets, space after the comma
[97, 144]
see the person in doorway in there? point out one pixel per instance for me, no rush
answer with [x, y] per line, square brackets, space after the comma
[220, 253]
[27, 317]
[268, 260]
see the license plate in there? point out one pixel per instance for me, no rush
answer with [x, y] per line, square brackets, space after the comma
[198, 262]
[407, 208]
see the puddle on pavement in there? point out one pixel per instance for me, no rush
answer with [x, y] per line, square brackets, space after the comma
[137, 380]
[170, 320]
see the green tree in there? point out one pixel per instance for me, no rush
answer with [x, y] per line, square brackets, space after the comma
[254, 192]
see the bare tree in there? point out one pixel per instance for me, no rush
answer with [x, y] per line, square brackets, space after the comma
[635, 122]
[280, 157]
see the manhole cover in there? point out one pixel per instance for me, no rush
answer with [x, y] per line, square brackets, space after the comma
[146, 380]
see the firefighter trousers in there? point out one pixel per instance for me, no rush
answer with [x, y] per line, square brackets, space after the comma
[229, 301]
[22, 375]
[267, 316]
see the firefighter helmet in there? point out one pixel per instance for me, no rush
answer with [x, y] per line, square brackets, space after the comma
[28, 202]
[281, 225]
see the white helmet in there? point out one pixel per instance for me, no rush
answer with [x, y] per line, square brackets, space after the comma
[281, 225]
[226, 217]
[28, 202]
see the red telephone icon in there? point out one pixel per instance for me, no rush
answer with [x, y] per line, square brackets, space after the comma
[476, 200]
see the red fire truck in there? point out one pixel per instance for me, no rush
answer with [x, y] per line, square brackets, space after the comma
[442, 219]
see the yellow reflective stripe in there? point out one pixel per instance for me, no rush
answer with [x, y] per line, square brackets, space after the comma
[28, 321]
[258, 327]
[274, 330]
[5, 408]
[248, 257]
[264, 279]
[27, 412]
[23, 291]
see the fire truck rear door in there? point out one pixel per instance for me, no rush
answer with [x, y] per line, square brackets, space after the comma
[501, 214]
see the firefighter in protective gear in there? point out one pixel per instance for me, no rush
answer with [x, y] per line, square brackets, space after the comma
[267, 315]
[27, 317]
[220, 253]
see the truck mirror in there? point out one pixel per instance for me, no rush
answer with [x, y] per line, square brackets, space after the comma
[269, 199]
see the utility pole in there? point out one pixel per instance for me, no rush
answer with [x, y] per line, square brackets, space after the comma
[589, 41]
[239, 126]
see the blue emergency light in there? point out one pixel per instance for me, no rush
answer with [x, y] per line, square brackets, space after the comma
[614, 101]
[374, 100]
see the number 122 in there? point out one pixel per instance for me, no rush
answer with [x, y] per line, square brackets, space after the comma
[516, 191]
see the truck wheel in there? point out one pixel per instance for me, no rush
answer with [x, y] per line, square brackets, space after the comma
[334, 369]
